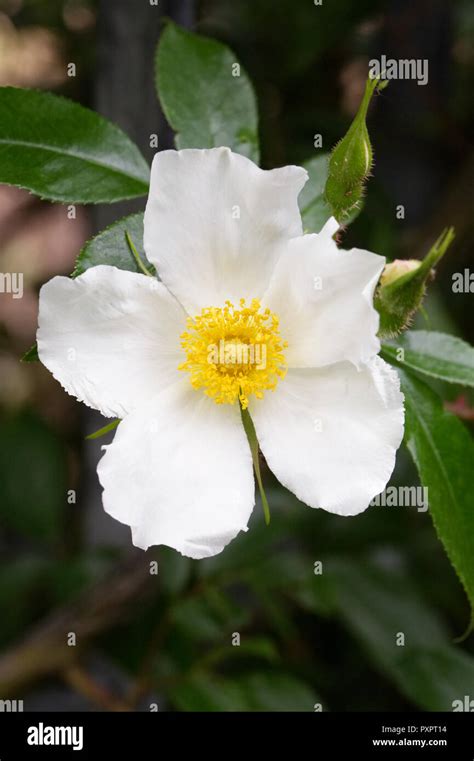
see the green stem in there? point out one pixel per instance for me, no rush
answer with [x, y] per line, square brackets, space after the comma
[253, 443]
[136, 255]
[104, 430]
[370, 86]
[437, 251]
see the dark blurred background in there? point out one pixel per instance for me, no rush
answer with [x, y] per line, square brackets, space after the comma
[307, 614]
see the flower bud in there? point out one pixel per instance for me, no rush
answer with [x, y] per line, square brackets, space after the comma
[351, 161]
[402, 287]
[398, 268]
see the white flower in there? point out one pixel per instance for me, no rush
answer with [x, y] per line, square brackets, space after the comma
[173, 357]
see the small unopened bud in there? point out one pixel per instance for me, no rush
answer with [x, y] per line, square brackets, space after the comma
[402, 287]
[398, 268]
[351, 161]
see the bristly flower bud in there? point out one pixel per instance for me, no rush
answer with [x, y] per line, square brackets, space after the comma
[402, 287]
[398, 268]
[351, 161]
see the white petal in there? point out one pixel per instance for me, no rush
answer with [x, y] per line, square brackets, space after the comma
[324, 299]
[179, 472]
[330, 435]
[110, 337]
[330, 228]
[214, 224]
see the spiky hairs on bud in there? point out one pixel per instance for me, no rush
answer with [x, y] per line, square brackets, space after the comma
[351, 161]
[402, 287]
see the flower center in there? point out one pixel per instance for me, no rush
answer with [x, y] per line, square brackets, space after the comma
[233, 353]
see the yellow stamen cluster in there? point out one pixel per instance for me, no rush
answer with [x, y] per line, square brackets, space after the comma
[233, 353]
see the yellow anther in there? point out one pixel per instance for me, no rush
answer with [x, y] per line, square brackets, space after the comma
[234, 353]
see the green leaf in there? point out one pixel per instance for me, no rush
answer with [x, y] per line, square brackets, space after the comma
[110, 247]
[225, 657]
[277, 692]
[32, 475]
[203, 693]
[379, 603]
[209, 616]
[64, 152]
[201, 97]
[260, 648]
[315, 210]
[436, 355]
[253, 692]
[443, 452]
[175, 571]
[437, 679]
[70, 576]
[31, 355]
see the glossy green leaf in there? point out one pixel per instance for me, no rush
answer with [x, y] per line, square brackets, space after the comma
[400, 633]
[436, 355]
[110, 247]
[443, 452]
[64, 152]
[205, 94]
